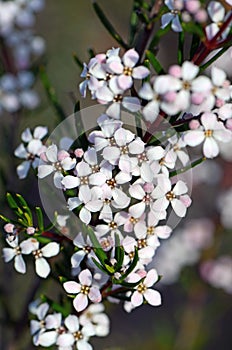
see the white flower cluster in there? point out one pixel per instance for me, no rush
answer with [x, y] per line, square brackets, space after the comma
[53, 329]
[192, 10]
[20, 48]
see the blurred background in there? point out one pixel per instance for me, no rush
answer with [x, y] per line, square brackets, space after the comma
[197, 306]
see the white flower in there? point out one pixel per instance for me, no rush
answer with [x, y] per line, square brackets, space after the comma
[211, 132]
[143, 290]
[15, 252]
[59, 161]
[127, 70]
[172, 16]
[84, 290]
[217, 14]
[37, 327]
[165, 195]
[42, 267]
[95, 315]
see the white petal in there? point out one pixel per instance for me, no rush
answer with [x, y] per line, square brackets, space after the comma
[40, 132]
[137, 210]
[47, 338]
[73, 203]
[131, 103]
[51, 249]
[178, 207]
[189, 70]
[42, 267]
[80, 302]
[194, 137]
[72, 323]
[151, 111]
[210, 148]
[70, 181]
[114, 110]
[45, 170]
[26, 135]
[19, 264]
[140, 72]
[146, 92]
[21, 152]
[72, 287]
[22, 169]
[163, 231]
[125, 82]
[95, 295]
[180, 188]
[85, 216]
[153, 297]
[216, 11]
[8, 254]
[52, 153]
[85, 194]
[136, 299]
[130, 58]
[65, 340]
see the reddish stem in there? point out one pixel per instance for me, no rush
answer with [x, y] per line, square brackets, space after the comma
[56, 237]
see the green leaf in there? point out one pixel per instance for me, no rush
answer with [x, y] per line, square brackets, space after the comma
[100, 266]
[12, 203]
[131, 267]
[21, 200]
[194, 45]
[131, 285]
[39, 215]
[97, 247]
[51, 94]
[108, 25]
[155, 62]
[77, 60]
[193, 28]
[214, 58]
[4, 218]
[180, 53]
[188, 167]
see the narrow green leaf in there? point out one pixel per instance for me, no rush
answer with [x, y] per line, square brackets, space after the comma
[77, 60]
[132, 265]
[97, 247]
[188, 167]
[214, 58]
[108, 25]
[100, 266]
[4, 218]
[155, 62]
[180, 53]
[51, 94]
[12, 203]
[28, 217]
[39, 215]
[133, 26]
[194, 45]
[156, 39]
[21, 200]
[131, 285]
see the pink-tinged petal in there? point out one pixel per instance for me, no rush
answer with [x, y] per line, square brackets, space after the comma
[146, 172]
[176, 26]
[8, 254]
[163, 232]
[136, 299]
[121, 200]
[146, 92]
[45, 170]
[51, 249]
[47, 338]
[21, 152]
[218, 76]
[216, 11]
[179, 207]
[65, 340]
[94, 205]
[136, 191]
[113, 110]
[166, 19]
[131, 103]
[85, 277]
[166, 83]
[151, 111]
[111, 154]
[116, 67]
[29, 245]
[95, 295]
[222, 135]
[72, 323]
[51, 153]
[211, 30]
[140, 72]
[194, 137]
[80, 302]
[210, 148]
[130, 58]
[19, 264]
[201, 84]
[85, 216]
[72, 287]
[138, 209]
[97, 179]
[40, 132]
[22, 169]
[189, 70]
[57, 179]
[53, 321]
[84, 345]
[153, 297]
[180, 188]
[125, 82]
[104, 94]
[42, 267]
[186, 200]
[151, 278]
[85, 193]
[73, 203]
[70, 181]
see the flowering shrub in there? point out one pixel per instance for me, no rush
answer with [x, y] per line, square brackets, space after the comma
[113, 192]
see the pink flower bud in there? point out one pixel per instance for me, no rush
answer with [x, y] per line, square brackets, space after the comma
[62, 155]
[229, 124]
[170, 96]
[201, 16]
[194, 124]
[175, 71]
[9, 228]
[43, 157]
[178, 4]
[79, 152]
[197, 98]
[148, 187]
[192, 6]
[219, 102]
[30, 230]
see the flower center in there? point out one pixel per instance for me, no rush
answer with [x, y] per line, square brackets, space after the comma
[124, 149]
[17, 250]
[111, 183]
[186, 85]
[108, 76]
[95, 168]
[113, 225]
[31, 157]
[127, 71]
[147, 199]
[85, 290]
[111, 141]
[57, 166]
[150, 230]
[37, 254]
[142, 243]
[170, 196]
[78, 335]
[141, 288]
[175, 12]
[133, 220]
[142, 157]
[84, 180]
[208, 133]
[105, 243]
[117, 98]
